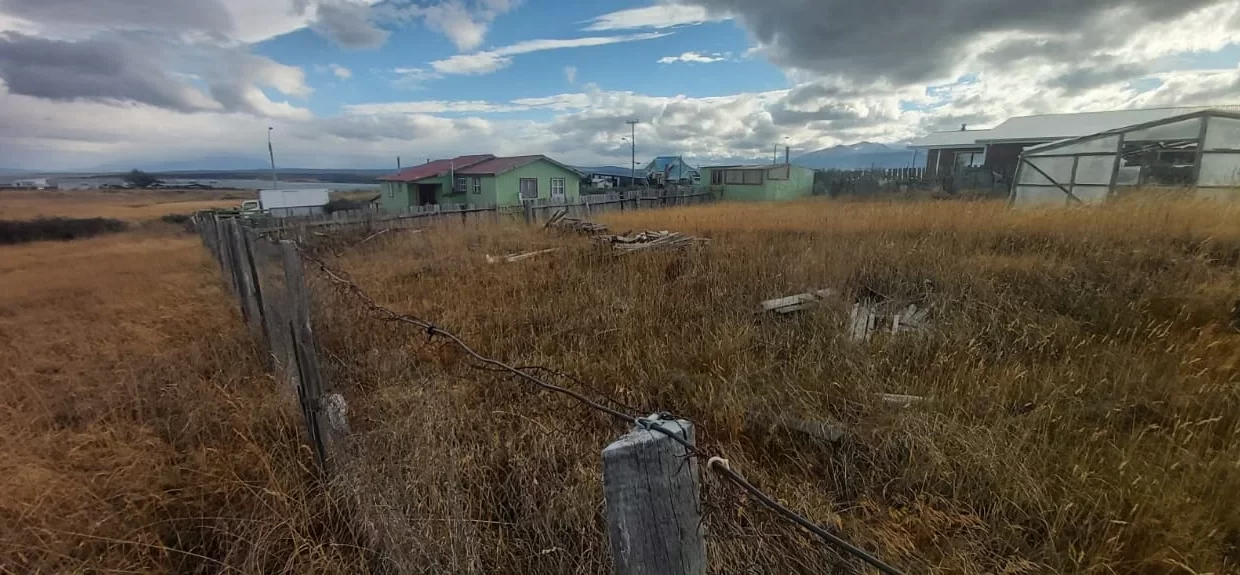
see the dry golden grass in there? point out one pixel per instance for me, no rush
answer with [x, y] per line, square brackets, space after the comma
[129, 205]
[1082, 370]
[138, 431]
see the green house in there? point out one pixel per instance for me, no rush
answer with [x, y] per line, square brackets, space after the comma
[758, 183]
[480, 180]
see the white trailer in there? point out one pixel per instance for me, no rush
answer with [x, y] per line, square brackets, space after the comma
[286, 203]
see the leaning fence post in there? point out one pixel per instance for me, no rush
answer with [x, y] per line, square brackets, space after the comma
[654, 516]
[528, 209]
[324, 413]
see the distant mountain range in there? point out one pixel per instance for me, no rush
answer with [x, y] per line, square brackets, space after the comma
[856, 156]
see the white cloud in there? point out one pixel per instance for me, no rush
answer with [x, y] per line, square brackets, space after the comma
[464, 23]
[692, 58]
[414, 78]
[427, 107]
[489, 61]
[559, 102]
[341, 72]
[657, 16]
[570, 74]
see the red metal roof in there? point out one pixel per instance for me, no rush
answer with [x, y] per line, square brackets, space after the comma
[498, 165]
[435, 168]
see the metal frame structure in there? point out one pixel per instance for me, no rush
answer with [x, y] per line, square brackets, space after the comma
[1031, 178]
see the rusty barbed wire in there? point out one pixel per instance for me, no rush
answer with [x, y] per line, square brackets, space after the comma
[715, 463]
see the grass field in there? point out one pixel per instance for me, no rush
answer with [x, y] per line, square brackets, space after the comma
[1081, 380]
[138, 430]
[1081, 376]
[128, 205]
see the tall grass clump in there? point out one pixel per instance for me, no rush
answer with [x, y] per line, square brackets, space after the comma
[138, 430]
[1079, 376]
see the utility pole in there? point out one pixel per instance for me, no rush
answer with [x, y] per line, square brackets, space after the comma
[275, 179]
[633, 143]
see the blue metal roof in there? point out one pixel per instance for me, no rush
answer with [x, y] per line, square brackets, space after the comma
[614, 171]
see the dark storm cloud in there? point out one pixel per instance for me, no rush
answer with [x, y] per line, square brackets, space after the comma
[919, 41]
[349, 25]
[184, 15]
[104, 69]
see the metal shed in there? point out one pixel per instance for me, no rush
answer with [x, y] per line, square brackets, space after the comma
[1198, 150]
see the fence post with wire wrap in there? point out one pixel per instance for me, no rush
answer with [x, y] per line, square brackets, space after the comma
[654, 515]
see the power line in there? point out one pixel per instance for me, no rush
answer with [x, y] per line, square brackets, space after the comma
[714, 463]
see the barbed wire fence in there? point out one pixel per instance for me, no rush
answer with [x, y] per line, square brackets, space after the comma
[651, 475]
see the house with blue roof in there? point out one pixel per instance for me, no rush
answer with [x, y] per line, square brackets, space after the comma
[672, 170]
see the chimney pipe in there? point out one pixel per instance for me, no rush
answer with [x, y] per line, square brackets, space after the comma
[398, 163]
[963, 127]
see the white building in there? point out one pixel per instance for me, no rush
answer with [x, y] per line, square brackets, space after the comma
[33, 183]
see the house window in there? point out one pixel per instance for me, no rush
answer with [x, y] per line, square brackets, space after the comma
[477, 185]
[752, 177]
[716, 177]
[529, 188]
[558, 187]
[461, 184]
[970, 159]
[733, 177]
[391, 189]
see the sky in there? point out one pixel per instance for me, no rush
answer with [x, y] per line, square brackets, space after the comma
[86, 84]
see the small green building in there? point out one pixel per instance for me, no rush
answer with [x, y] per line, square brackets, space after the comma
[480, 180]
[759, 183]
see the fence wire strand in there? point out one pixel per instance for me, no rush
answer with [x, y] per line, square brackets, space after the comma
[714, 463]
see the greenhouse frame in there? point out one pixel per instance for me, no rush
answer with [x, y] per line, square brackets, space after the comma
[1199, 151]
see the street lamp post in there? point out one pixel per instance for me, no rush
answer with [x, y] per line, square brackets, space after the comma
[633, 145]
[271, 151]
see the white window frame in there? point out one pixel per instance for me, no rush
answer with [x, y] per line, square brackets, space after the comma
[461, 184]
[476, 184]
[563, 182]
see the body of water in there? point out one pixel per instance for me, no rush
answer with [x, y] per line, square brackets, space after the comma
[71, 183]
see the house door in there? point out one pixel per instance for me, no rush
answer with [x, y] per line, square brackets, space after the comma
[529, 188]
[426, 194]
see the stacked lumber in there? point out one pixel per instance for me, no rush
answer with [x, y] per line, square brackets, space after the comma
[560, 221]
[646, 241]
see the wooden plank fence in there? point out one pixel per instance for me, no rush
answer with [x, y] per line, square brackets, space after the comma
[530, 212]
[652, 488]
[267, 279]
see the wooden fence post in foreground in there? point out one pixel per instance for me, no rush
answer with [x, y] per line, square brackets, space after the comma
[654, 516]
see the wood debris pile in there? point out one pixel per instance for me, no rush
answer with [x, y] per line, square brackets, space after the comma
[646, 241]
[868, 318]
[623, 243]
[560, 221]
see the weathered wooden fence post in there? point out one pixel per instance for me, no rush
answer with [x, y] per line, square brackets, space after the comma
[654, 516]
[528, 209]
[242, 271]
[324, 413]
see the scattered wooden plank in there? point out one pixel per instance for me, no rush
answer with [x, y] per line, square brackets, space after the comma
[513, 258]
[861, 323]
[794, 303]
[900, 399]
